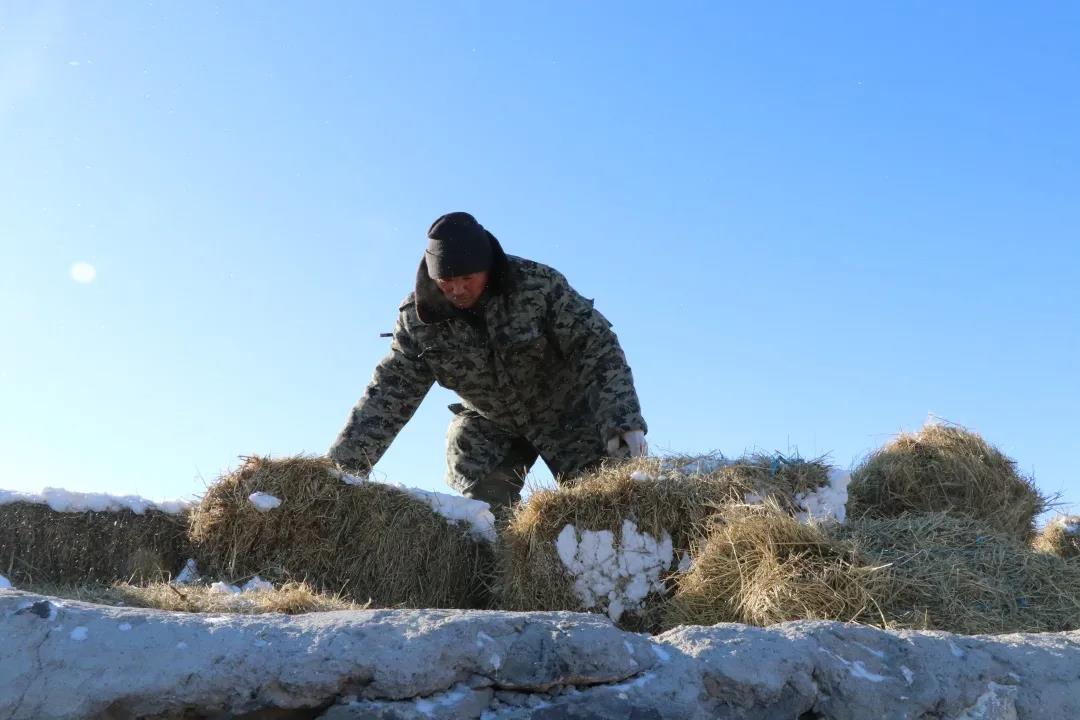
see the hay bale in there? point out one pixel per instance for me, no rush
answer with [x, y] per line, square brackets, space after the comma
[760, 566]
[39, 544]
[946, 468]
[608, 542]
[955, 573]
[368, 541]
[1060, 537]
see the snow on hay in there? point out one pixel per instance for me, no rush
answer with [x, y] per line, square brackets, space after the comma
[367, 540]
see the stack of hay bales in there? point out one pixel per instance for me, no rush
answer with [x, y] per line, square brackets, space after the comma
[939, 541]
[945, 468]
[366, 541]
[43, 545]
[1060, 537]
[609, 542]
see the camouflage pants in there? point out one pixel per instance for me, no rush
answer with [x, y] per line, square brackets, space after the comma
[486, 462]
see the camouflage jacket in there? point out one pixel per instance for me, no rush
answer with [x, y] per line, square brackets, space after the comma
[537, 360]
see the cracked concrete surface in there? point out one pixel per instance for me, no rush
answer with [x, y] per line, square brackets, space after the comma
[79, 660]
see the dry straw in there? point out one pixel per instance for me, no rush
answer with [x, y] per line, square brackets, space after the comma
[674, 495]
[954, 573]
[946, 468]
[291, 599]
[41, 545]
[758, 565]
[369, 542]
[1060, 537]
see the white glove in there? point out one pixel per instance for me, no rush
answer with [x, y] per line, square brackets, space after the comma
[635, 442]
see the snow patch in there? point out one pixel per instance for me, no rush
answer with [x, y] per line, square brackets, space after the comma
[827, 502]
[459, 509]
[5, 584]
[614, 575]
[264, 502]
[429, 706]
[641, 476]
[74, 502]
[661, 654]
[79, 634]
[908, 675]
[859, 670]
[123, 627]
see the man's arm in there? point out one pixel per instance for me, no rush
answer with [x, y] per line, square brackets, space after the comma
[585, 335]
[400, 382]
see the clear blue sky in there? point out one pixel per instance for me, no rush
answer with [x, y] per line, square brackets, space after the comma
[811, 225]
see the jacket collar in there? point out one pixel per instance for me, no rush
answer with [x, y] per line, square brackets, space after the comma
[432, 306]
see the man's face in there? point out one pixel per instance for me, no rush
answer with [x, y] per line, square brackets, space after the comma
[463, 291]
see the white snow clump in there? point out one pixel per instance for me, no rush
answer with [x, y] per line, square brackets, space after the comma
[263, 502]
[5, 584]
[618, 576]
[827, 502]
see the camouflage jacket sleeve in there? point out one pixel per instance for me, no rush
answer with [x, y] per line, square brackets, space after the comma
[400, 382]
[584, 334]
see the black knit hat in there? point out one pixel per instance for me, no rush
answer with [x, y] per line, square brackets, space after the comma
[457, 245]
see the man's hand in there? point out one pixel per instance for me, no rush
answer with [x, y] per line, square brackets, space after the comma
[635, 443]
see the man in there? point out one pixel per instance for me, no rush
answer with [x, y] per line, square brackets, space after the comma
[538, 369]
